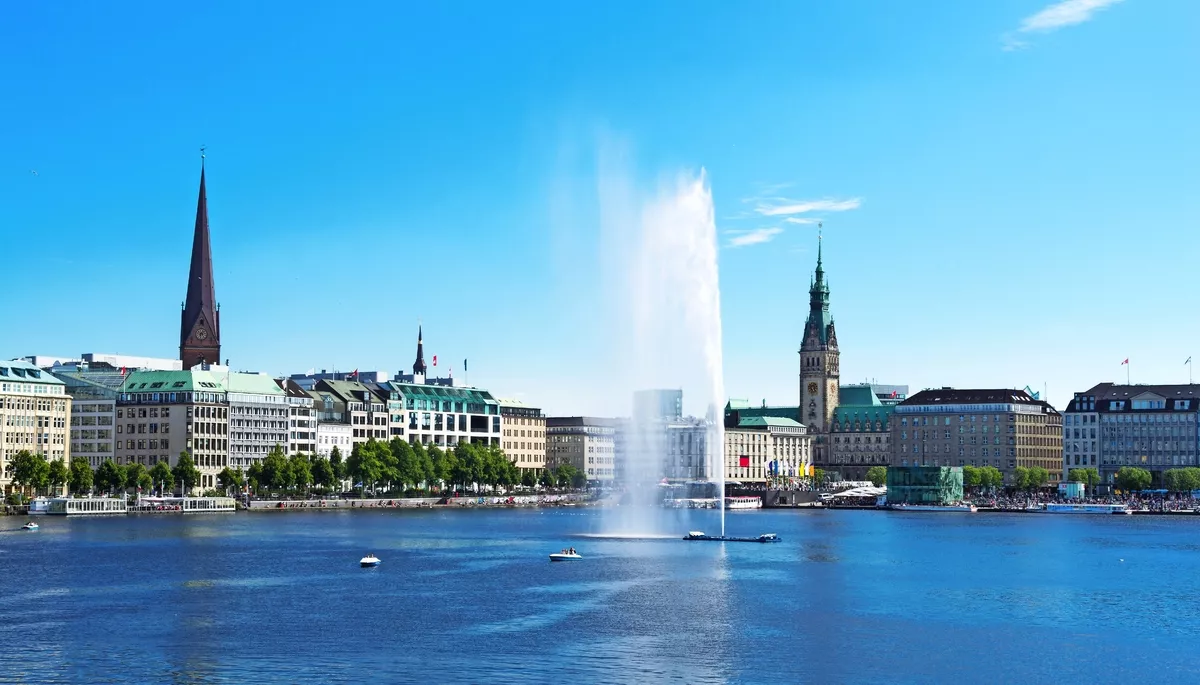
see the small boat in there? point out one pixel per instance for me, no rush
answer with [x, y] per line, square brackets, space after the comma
[30, 526]
[369, 561]
[564, 556]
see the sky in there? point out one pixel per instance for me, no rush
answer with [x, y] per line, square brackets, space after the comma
[1009, 190]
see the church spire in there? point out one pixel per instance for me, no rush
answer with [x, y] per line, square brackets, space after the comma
[419, 367]
[200, 324]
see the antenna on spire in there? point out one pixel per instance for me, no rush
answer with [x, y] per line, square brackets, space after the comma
[202, 155]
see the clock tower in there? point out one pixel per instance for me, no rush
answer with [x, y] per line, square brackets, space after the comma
[200, 324]
[819, 372]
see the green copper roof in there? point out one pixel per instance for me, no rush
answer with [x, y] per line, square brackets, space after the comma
[734, 405]
[861, 395]
[256, 383]
[778, 412]
[847, 414]
[767, 421]
[174, 381]
[24, 372]
[442, 393]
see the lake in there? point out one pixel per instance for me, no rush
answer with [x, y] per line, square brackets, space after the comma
[470, 596]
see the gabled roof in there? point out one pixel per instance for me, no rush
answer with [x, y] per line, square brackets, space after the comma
[174, 381]
[24, 372]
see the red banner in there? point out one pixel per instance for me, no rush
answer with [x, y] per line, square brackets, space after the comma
[744, 462]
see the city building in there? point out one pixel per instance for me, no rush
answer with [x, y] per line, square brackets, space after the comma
[302, 419]
[1152, 427]
[524, 435]
[860, 435]
[924, 484]
[356, 405]
[819, 365]
[34, 413]
[584, 442]
[163, 413]
[259, 414]
[308, 381]
[665, 405]
[688, 454]
[890, 394]
[760, 448]
[200, 322]
[1003, 428]
[331, 435]
[93, 393]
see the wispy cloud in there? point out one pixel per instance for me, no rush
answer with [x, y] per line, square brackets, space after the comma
[754, 237]
[800, 220]
[1054, 17]
[803, 207]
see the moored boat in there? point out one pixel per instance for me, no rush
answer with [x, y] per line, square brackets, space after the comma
[943, 508]
[1119, 509]
[698, 535]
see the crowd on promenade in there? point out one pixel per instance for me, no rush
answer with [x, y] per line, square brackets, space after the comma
[1024, 502]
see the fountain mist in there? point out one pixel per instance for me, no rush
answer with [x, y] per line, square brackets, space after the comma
[662, 259]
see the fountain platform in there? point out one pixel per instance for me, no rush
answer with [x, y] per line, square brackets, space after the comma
[765, 537]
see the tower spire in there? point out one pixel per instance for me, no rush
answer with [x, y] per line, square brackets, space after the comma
[419, 367]
[200, 324]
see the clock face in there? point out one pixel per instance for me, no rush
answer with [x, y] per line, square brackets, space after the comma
[202, 333]
[812, 388]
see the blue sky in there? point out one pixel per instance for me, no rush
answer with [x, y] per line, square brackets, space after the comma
[1009, 188]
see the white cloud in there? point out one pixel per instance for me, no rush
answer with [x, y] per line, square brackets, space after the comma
[801, 207]
[1065, 13]
[800, 220]
[755, 237]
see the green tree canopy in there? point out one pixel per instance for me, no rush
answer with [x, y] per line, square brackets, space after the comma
[1038, 477]
[301, 470]
[30, 470]
[161, 476]
[110, 477]
[58, 475]
[275, 472]
[1021, 478]
[818, 477]
[1088, 476]
[990, 477]
[186, 473]
[81, 476]
[322, 472]
[1182, 480]
[254, 475]
[136, 476]
[546, 478]
[229, 479]
[364, 465]
[1132, 478]
[878, 475]
[337, 463]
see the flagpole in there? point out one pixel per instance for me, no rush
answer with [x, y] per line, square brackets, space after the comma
[1127, 365]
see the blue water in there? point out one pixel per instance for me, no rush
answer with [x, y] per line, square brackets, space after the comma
[469, 596]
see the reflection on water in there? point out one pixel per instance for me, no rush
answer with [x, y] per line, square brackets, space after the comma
[471, 596]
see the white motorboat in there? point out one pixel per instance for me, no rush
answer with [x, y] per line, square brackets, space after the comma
[564, 556]
[369, 561]
[30, 526]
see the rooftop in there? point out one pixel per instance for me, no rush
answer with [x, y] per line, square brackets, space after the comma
[22, 371]
[933, 397]
[768, 422]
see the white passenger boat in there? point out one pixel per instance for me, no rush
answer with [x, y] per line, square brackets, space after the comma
[39, 506]
[564, 556]
[184, 505]
[30, 526]
[734, 503]
[369, 561]
[1119, 509]
[970, 508]
[87, 506]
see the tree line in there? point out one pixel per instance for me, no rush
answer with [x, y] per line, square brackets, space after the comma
[33, 472]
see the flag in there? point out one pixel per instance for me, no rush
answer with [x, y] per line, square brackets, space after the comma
[435, 360]
[1189, 360]
[1125, 362]
[355, 374]
[893, 393]
[464, 365]
[122, 370]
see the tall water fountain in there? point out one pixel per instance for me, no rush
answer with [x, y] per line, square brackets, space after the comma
[662, 257]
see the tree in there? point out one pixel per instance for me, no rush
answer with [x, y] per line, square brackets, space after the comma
[990, 477]
[81, 476]
[58, 475]
[301, 470]
[443, 465]
[1038, 477]
[546, 478]
[1132, 479]
[423, 464]
[336, 463]
[254, 475]
[527, 479]
[186, 473]
[405, 459]
[878, 475]
[818, 477]
[30, 470]
[229, 479]
[136, 476]
[160, 475]
[322, 472]
[276, 472]
[110, 477]
[363, 465]
[1089, 477]
[565, 474]
[1021, 478]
